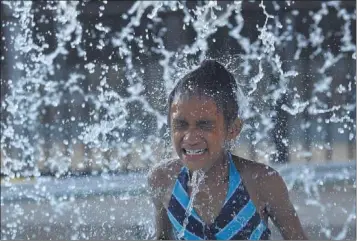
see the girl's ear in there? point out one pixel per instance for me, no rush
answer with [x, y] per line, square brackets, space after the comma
[235, 129]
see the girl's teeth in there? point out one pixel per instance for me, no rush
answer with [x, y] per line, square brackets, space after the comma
[195, 152]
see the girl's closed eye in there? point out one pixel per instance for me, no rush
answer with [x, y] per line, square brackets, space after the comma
[205, 125]
[179, 124]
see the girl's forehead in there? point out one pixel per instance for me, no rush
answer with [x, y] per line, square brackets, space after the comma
[194, 105]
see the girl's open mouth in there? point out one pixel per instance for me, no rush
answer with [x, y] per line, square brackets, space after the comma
[193, 152]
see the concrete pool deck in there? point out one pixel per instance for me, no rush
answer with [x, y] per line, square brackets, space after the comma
[111, 207]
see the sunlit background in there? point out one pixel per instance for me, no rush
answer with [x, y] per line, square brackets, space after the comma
[83, 107]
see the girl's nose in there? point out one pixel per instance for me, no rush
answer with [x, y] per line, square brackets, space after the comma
[192, 137]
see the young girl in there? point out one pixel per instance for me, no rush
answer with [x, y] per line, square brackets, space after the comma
[235, 197]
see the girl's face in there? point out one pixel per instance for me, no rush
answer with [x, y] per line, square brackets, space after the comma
[198, 131]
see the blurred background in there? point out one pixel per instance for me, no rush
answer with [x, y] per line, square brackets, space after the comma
[83, 106]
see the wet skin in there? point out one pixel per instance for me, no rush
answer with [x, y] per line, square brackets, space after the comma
[198, 132]
[197, 125]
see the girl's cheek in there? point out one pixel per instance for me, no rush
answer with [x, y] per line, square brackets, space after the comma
[176, 136]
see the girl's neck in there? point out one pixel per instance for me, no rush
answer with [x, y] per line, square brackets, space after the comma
[218, 172]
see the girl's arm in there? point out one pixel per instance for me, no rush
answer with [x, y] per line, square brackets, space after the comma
[163, 225]
[156, 187]
[280, 208]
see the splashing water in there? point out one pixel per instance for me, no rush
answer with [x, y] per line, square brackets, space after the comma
[197, 178]
[107, 114]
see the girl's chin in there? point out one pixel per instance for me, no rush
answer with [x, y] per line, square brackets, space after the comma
[194, 158]
[201, 164]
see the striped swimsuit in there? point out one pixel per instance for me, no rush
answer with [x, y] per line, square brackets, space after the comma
[238, 219]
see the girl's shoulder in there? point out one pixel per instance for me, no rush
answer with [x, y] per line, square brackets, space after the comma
[255, 171]
[162, 175]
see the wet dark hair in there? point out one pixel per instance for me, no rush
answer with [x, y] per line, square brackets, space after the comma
[213, 80]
